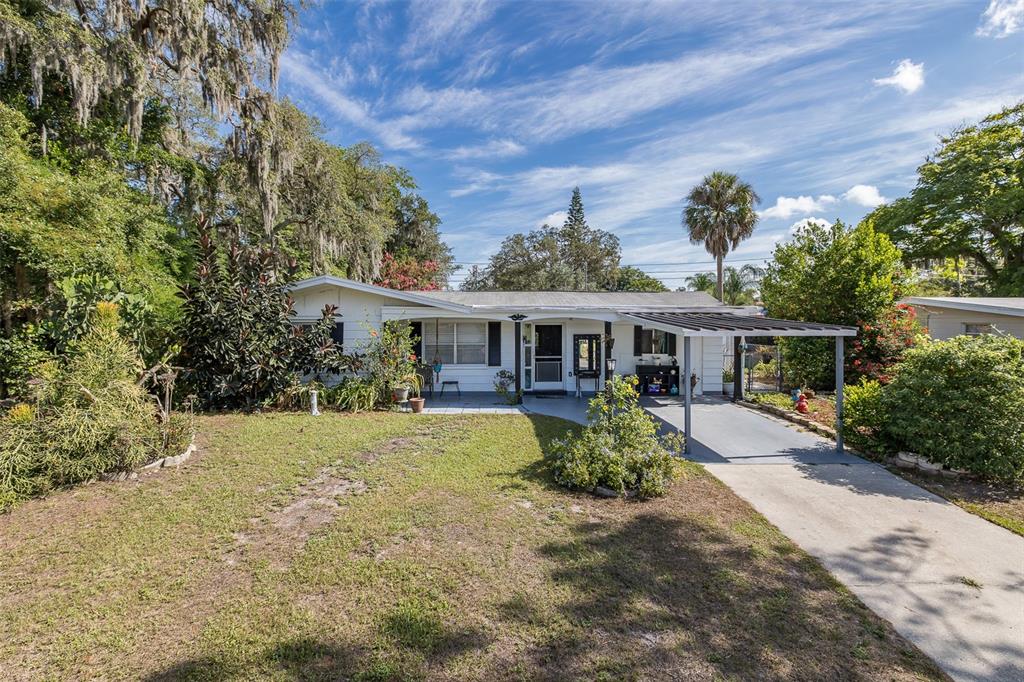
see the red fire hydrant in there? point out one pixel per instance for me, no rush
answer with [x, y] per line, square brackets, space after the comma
[801, 404]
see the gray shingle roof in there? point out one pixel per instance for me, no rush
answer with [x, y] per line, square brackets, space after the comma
[575, 299]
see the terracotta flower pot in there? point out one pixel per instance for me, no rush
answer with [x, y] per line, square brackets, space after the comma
[416, 404]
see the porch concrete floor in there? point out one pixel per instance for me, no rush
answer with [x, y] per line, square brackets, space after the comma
[566, 407]
[911, 556]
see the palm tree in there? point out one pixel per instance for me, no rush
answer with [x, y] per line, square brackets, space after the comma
[720, 213]
[702, 281]
[740, 286]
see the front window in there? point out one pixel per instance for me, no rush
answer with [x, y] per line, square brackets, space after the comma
[455, 343]
[653, 342]
[978, 329]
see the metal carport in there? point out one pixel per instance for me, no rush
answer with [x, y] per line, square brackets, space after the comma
[732, 325]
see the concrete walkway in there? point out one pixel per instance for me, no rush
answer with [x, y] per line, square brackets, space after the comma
[906, 553]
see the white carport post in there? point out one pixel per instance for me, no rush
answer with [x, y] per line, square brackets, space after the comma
[840, 359]
[687, 398]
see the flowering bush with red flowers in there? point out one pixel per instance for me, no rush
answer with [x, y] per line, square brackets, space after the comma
[407, 274]
[880, 345]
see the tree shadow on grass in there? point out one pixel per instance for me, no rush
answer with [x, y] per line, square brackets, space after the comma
[412, 644]
[671, 597]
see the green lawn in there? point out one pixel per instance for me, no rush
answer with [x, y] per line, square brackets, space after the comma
[391, 546]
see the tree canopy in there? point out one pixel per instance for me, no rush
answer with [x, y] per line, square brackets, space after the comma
[832, 274]
[574, 257]
[630, 278]
[968, 202]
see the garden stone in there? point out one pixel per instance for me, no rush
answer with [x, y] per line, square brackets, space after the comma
[601, 491]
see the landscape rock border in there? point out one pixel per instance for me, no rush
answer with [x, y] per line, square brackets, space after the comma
[169, 461]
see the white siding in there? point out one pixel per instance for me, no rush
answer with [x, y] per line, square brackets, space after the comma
[361, 311]
[947, 323]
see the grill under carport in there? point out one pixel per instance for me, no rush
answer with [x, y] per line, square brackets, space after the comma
[734, 325]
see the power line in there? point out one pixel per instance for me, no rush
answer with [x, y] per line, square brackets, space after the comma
[636, 265]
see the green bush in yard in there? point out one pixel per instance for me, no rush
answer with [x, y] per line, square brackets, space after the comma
[864, 415]
[93, 417]
[619, 449]
[960, 403]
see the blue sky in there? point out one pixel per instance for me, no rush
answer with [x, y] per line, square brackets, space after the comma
[499, 109]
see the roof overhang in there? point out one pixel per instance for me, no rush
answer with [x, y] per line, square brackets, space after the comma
[710, 323]
[965, 304]
[410, 296]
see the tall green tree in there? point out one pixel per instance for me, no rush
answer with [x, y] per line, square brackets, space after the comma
[630, 278]
[832, 274]
[193, 64]
[417, 239]
[574, 257]
[741, 284]
[720, 214]
[969, 202]
[702, 281]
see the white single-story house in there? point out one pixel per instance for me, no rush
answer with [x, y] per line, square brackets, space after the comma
[949, 316]
[556, 341]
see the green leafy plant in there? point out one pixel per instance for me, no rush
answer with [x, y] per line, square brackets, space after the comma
[781, 400]
[959, 403]
[92, 417]
[354, 394]
[390, 361]
[504, 380]
[75, 301]
[619, 449]
[864, 415]
[239, 346]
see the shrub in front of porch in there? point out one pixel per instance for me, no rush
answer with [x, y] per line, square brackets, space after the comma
[619, 449]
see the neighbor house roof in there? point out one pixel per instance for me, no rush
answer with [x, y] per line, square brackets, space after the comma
[733, 324]
[615, 300]
[1002, 306]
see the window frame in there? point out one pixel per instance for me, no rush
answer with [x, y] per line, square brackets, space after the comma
[647, 342]
[427, 341]
[989, 328]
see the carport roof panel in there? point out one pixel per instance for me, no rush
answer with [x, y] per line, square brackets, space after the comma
[731, 324]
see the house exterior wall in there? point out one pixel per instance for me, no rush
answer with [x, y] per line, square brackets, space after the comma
[361, 311]
[945, 323]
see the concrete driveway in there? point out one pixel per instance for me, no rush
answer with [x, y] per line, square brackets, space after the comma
[911, 556]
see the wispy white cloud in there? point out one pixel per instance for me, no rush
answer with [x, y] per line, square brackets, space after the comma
[787, 207]
[554, 219]
[865, 195]
[350, 109]
[908, 77]
[439, 26]
[1002, 18]
[492, 149]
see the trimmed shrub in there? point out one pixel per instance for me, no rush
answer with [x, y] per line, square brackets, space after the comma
[619, 449]
[864, 415]
[959, 403]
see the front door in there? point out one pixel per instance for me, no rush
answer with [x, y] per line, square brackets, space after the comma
[548, 372]
[586, 361]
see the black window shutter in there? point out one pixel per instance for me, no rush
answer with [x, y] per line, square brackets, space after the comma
[417, 340]
[671, 344]
[638, 340]
[494, 344]
[338, 335]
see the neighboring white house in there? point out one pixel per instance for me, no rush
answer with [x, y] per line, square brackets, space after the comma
[561, 334]
[946, 317]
